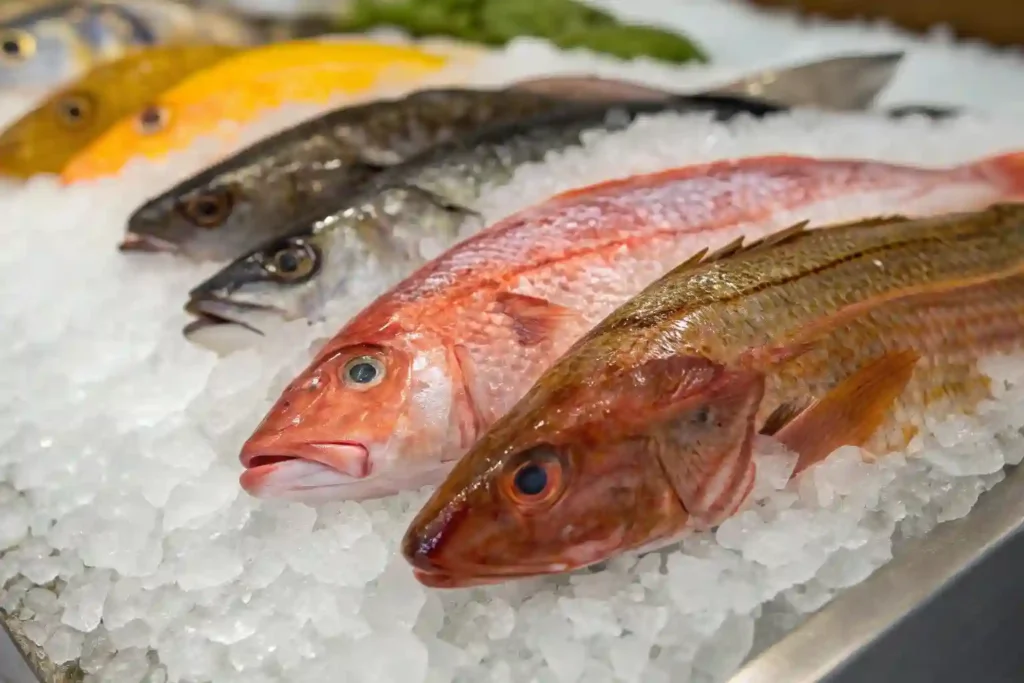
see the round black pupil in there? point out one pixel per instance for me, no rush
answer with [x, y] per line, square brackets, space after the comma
[74, 111]
[287, 262]
[362, 373]
[150, 117]
[11, 47]
[208, 207]
[531, 479]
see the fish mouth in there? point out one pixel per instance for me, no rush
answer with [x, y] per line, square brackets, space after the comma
[441, 578]
[213, 311]
[134, 241]
[307, 471]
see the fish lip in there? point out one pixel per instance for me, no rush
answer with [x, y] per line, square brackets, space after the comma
[347, 457]
[212, 310]
[440, 578]
[134, 241]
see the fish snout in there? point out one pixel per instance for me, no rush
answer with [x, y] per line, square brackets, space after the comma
[274, 469]
[141, 242]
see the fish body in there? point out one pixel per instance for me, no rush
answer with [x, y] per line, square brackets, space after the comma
[45, 43]
[404, 216]
[246, 198]
[245, 86]
[46, 138]
[645, 428]
[410, 383]
[241, 202]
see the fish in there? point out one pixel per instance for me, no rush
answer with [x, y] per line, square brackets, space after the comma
[408, 384]
[241, 88]
[212, 215]
[44, 139]
[841, 83]
[646, 429]
[400, 218]
[241, 202]
[45, 44]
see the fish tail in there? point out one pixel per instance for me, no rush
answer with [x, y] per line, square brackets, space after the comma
[1006, 170]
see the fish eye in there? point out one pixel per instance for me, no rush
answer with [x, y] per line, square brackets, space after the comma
[17, 46]
[210, 209]
[536, 478]
[294, 262]
[152, 119]
[363, 372]
[74, 110]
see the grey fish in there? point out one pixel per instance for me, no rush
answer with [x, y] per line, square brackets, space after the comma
[404, 216]
[251, 196]
[254, 194]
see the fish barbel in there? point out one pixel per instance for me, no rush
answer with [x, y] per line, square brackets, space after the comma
[401, 218]
[246, 85]
[407, 385]
[644, 430]
[46, 138]
[243, 200]
[45, 43]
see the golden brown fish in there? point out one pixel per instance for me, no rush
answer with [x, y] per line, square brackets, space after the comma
[66, 122]
[644, 429]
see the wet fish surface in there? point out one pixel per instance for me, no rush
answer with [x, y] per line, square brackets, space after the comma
[45, 43]
[645, 429]
[408, 384]
[405, 215]
[46, 138]
[243, 87]
[246, 198]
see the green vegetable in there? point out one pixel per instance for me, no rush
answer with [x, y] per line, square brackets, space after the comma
[565, 23]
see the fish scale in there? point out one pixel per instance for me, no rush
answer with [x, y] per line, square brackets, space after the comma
[482, 322]
[852, 334]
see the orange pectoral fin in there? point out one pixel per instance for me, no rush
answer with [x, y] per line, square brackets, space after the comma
[534, 320]
[849, 414]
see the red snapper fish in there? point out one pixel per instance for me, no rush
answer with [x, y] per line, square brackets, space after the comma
[411, 382]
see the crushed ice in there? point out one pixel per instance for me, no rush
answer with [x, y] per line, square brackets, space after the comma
[126, 544]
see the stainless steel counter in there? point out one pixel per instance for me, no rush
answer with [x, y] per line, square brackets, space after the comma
[951, 608]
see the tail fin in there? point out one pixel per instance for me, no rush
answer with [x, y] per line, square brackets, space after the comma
[1006, 170]
[841, 83]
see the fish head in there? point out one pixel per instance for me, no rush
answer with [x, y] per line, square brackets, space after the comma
[587, 466]
[371, 416]
[43, 140]
[39, 50]
[272, 283]
[211, 217]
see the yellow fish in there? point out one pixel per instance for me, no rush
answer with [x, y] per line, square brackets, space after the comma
[66, 122]
[240, 88]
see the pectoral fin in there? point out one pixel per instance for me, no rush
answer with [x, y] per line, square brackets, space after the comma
[849, 414]
[534, 320]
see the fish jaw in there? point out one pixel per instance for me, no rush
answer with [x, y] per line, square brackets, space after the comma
[306, 468]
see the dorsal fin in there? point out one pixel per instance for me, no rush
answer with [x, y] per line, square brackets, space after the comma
[738, 247]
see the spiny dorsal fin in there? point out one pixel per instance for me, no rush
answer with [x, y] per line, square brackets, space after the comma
[738, 247]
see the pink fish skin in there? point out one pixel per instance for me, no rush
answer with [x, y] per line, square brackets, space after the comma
[405, 388]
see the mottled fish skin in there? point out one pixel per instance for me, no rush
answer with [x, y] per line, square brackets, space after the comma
[459, 341]
[46, 43]
[256, 194]
[407, 214]
[643, 429]
[43, 140]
